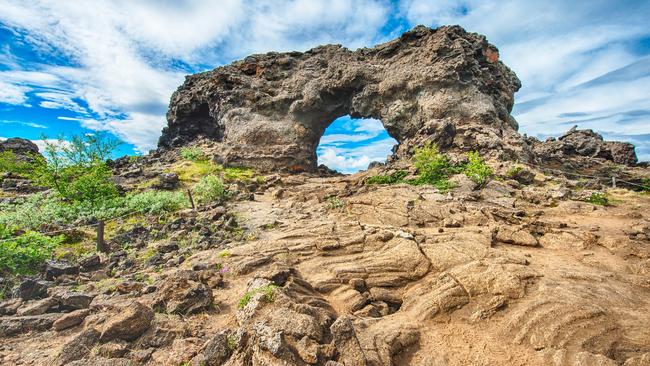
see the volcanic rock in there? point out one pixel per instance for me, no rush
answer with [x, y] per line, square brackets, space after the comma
[269, 111]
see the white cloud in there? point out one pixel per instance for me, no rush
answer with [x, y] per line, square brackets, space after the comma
[123, 52]
[23, 123]
[352, 159]
[12, 94]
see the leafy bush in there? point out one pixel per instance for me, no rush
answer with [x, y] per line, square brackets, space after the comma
[396, 177]
[476, 169]
[23, 254]
[193, 154]
[598, 198]
[209, 189]
[431, 164]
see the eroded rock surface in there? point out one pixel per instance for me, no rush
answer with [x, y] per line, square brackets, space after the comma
[269, 111]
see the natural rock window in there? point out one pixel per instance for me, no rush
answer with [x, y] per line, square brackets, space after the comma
[351, 144]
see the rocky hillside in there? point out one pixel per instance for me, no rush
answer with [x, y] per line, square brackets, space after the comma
[519, 253]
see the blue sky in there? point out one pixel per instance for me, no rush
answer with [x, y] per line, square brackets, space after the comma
[78, 67]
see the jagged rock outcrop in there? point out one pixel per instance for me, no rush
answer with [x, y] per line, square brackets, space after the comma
[583, 143]
[22, 148]
[269, 111]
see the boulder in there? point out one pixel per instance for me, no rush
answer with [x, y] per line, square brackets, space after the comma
[70, 320]
[14, 325]
[54, 269]
[30, 289]
[168, 181]
[78, 347]
[182, 292]
[128, 323]
[38, 307]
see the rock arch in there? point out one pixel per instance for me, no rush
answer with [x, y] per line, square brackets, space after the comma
[269, 111]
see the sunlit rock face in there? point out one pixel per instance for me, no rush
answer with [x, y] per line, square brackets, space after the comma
[269, 111]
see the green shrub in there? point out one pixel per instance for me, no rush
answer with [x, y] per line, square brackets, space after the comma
[268, 291]
[155, 202]
[42, 209]
[476, 169]
[598, 198]
[193, 154]
[209, 189]
[335, 202]
[431, 164]
[396, 177]
[24, 253]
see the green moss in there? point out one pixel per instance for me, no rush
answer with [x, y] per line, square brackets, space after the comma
[224, 253]
[191, 171]
[238, 174]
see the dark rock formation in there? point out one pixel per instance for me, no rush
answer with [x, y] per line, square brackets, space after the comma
[269, 111]
[22, 148]
[583, 143]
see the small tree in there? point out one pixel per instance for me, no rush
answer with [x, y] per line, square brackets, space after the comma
[78, 172]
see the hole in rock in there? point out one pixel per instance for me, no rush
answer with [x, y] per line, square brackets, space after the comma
[350, 144]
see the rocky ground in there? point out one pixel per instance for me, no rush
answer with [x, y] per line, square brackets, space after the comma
[330, 271]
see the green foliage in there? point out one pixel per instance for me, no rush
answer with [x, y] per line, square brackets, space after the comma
[335, 202]
[155, 202]
[77, 169]
[10, 164]
[193, 154]
[268, 291]
[209, 189]
[24, 253]
[514, 171]
[396, 177]
[598, 198]
[476, 169]
[192, 171]
[41, 209]
[239, 174]
[232, 342]
[435, 169]
[224, 253]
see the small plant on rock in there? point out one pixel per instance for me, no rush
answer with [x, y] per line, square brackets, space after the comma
[335, 202]
[476, 169]
[193, 154]
[598, 198]
[268, 291]
[393, 178]
[209, 189]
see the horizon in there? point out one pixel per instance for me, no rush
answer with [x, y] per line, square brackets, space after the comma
[112, 67]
